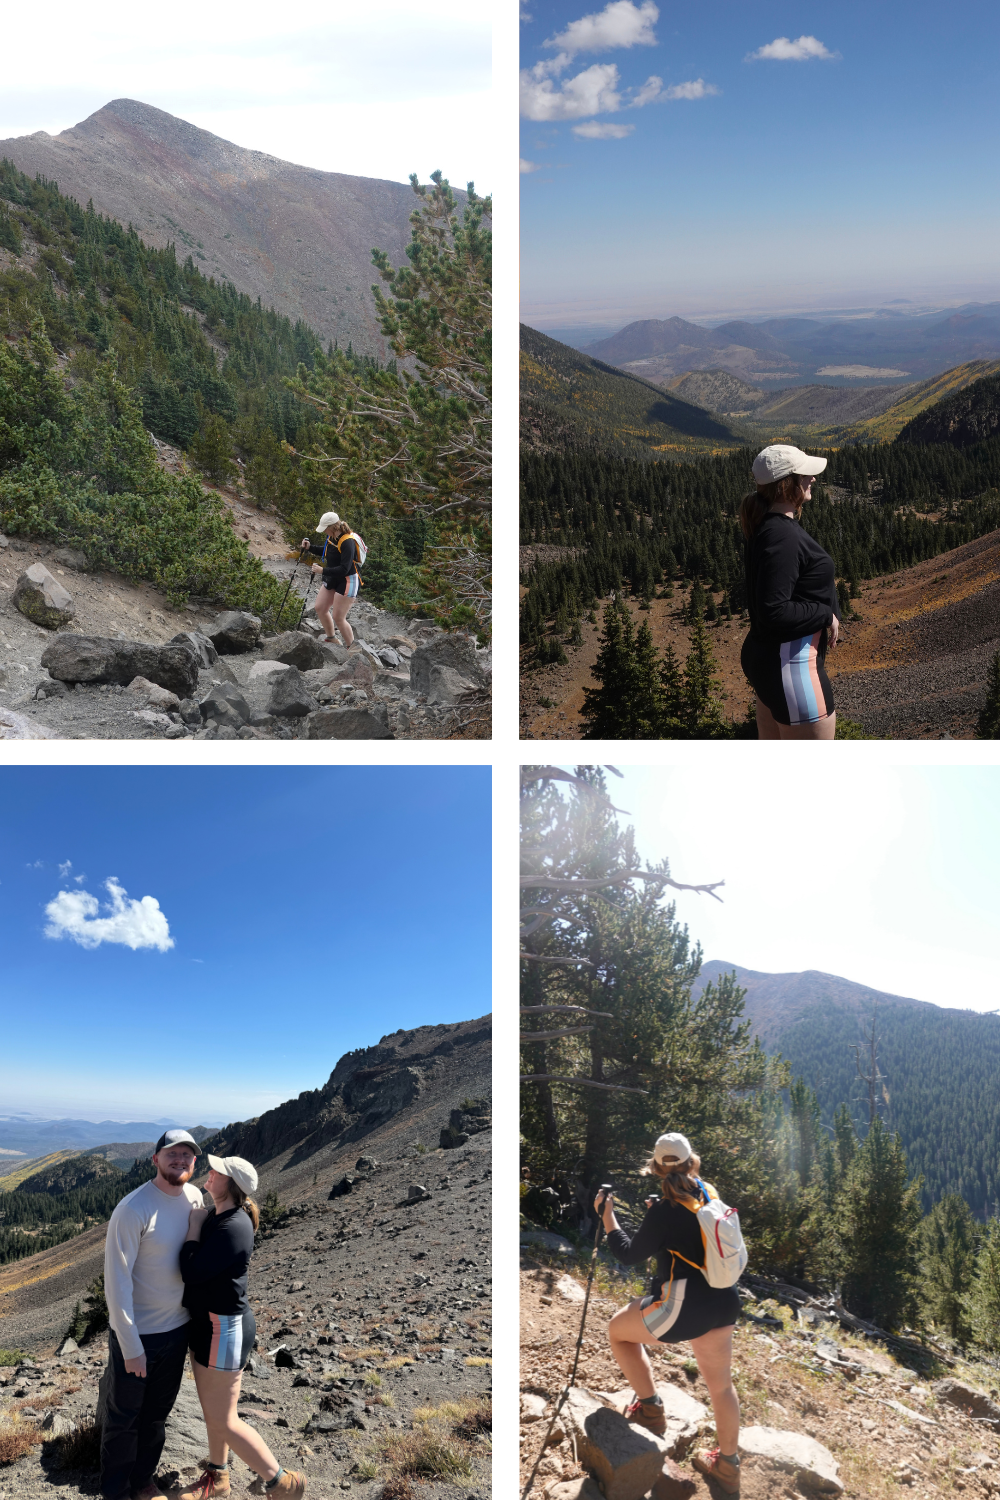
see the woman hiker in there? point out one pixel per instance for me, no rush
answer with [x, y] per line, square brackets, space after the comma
[791, 598]
[683, 1308]
[214, 1261]
[343, 555]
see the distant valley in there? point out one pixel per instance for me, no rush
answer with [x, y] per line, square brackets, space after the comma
[299, 239]
[941, 1089]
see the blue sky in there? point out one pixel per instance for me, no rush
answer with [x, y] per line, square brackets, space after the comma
[302, 913]
[805, 180]
[885, 875]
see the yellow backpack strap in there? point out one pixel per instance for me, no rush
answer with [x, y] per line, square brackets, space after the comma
[349, 536]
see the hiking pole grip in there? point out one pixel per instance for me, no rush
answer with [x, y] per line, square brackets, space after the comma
[603, 1192]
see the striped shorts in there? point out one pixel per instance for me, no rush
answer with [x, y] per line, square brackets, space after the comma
[687, 1308]
[222, 1341]
[352, 585]
[789, 677]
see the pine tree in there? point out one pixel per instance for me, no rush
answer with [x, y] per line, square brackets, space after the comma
[212, 449]
[949, 1241]
[645, 713]
[672, 723]
[605, 707]
[988, 727]
[696, 602]
[877, 1230]
[703, 716]
[982, 1303]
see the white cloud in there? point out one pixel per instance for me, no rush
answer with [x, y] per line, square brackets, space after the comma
[592, 131]
[594, 91]
[782, 49]
[65, 868]
[38, 865]
[528, 166]
[134, 924]
[696, 89]
[651, 89]
[619, 24]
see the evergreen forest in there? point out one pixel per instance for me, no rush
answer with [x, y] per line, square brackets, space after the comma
[107, 339]
[616, 1048]
[30, 1222]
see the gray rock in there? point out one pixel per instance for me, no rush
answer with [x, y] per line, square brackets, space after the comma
[57, 1425]
[625, 1460]
[234, 631]
[4, 542]
[257, 1368]
[92, 658]
[219, 671]
[969, 1400]
[264, 721]
[334, 654]
[365, 649]
[456, 652]
[68, 1346]
[357, 670]
[683, 1413]
[532, 1407]
[349, 724]
[51, 689]
[388, 657]
[813, 1465]
[190, 713]
[225, 703]
[289, 697]
[546, 1240]
[186, 1435]
[448, 687]
[154, 696]
[70, 557]
[150, 716]
[263, 671]
[414, 1193]
[576, 1489]
[200, 645]
[42, 598]
[295, 649]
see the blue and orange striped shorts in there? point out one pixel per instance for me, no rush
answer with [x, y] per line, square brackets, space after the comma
[789, 677]
[222, 1341]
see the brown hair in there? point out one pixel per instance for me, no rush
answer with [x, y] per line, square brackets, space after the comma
[676, 1178]
[339, 529]
[753, 508]
[244, 1201]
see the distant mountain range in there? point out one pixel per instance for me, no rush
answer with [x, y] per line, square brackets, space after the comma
[33, 1136]
[887, 346]
[299, 239]
[941, 1067]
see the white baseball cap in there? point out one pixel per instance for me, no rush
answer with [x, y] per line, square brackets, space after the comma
[781, 459]
[669, 1148]
[242, 1173]
[330, 518]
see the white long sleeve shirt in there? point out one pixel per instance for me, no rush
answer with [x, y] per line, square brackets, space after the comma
[142, 1273]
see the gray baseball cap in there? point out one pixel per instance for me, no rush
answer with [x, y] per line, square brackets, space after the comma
[176, 1138]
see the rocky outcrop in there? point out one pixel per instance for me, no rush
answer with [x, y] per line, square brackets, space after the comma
[289, 697]
[814, 1466]
[42, 598]
[296, 649]
[91, 658]
[350, 724]
[472, 1117]
[234, 631]
[449, 668]
[626, 1461]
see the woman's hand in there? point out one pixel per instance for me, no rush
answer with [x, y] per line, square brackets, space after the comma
[604, 1204]
[833, 630]
[304, 544]
[317, 567]
[196, 1219]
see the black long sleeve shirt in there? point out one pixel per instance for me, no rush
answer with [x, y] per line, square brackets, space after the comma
[338, 564]
[214, 1268]
[667, 1227]
[791, 584]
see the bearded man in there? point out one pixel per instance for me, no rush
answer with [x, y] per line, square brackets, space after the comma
[147, 1344]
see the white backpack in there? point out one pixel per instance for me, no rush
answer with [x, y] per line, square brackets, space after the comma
[725, 1253]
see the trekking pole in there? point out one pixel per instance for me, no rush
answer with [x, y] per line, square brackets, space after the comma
[290, 582]
[305, 602]
[603, 1191]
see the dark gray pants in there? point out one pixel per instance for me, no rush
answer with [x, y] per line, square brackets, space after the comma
[133, 1411]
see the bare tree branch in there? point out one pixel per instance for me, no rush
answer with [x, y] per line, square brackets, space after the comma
[534, 1010]
[553, 773]
[551, 1036]
[538, 958]
[534, 881]
[615, 1088]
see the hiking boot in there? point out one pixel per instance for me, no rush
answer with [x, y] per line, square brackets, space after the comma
[150, 1491]
[711, 1463]
[648, 1414]
[290, 1483]
[214, 1482]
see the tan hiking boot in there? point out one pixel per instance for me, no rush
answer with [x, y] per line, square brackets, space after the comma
[290, 1483]
[711, 1463]
[213, 1484]
[648, 1414]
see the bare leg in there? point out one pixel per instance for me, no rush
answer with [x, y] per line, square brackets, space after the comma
[714, 1353]
[628, 1333]
[323, 606]
[340, 611]
[767, 724]
[218, 1392]
[822, 729]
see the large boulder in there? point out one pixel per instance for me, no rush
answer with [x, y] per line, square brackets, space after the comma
[234, 631]
[70, 557]
[226, 705]
[457, 654]
[683, 1413]
[263, 671]
[968, 1399]
[289, 697]
[357, 671]
[350, 724]
[43, 599]
[814, 1466]
[19, 727]
[94, 658]
[626, 1461]
[447, 687]
[295, 649]
[200, 645]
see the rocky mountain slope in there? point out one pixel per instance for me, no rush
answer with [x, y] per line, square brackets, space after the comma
[371, 1289]
[64, 1176]
[824, 1411]
[299, 239]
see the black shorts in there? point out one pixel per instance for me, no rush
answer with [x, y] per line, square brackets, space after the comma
[222, 1341]
[687, 1307]
[789, 677]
